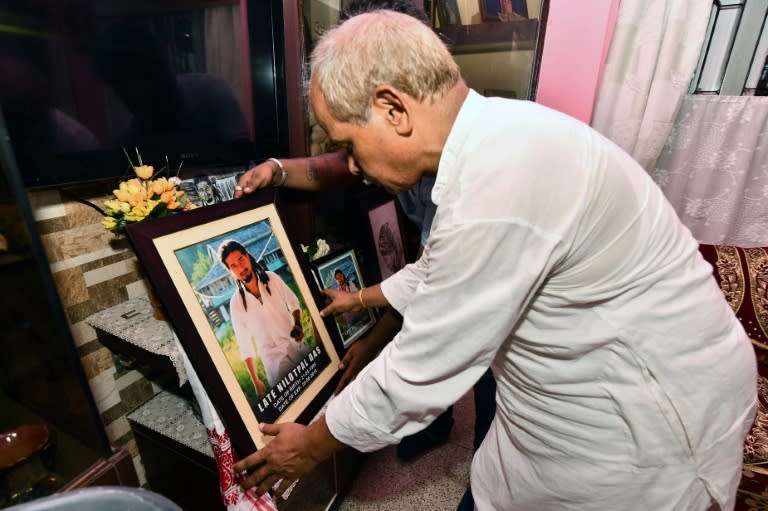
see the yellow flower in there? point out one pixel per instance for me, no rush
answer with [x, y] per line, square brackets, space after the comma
[131, 191]
[133, 186]
[144, 171]
[111, 206]
[114, 206]
[109, 223]
[139, 212]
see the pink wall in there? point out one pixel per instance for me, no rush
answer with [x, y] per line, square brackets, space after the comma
[576, 43]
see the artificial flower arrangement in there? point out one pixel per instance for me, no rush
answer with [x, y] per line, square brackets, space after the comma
[316, 250]
[148, 195]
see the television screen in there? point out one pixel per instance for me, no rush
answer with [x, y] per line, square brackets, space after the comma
[82, 81]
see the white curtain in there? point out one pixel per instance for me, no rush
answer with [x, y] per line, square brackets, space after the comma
[714, 169]
[651, 60]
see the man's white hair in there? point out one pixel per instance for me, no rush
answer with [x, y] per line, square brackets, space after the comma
[375, 48]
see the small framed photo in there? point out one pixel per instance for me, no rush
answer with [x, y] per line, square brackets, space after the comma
[341, 271]
[384, 232]
[503, 10]
[238, 299]
[447, 12]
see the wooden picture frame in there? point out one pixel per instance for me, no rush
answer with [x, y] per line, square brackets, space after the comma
[208, 307]
[447, 13]
[339, 270]
[503, 10]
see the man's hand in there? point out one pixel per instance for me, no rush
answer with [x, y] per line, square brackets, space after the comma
[358, 355]
[341, 301]
[285, 457]
[255, 178]
[294, 451]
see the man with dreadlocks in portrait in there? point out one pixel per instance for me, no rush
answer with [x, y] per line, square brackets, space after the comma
[265, 316]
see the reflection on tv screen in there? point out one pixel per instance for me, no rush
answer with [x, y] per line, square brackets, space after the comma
[98, 76]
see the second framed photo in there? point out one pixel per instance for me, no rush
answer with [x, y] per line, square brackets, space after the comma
[388, 238]
[341, 271]
[503, 10]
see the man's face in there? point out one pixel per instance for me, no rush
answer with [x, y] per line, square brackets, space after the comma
[204, 191]
[239, 265]
[374, 150]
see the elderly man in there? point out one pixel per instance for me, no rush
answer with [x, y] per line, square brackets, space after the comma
[624, 379]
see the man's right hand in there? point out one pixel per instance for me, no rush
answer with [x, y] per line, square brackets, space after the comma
[255, 178]
[341, 301]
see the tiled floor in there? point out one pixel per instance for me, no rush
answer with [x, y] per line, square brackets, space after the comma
[435, 481]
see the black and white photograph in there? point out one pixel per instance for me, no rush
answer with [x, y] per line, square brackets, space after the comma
[387, 238]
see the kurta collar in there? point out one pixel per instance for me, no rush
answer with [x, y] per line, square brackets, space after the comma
[461, 129]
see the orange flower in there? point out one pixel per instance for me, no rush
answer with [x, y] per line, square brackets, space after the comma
[159, 186]
[167, 197]
[144, 171]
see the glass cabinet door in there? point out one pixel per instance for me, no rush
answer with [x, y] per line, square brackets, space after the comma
[50, 431]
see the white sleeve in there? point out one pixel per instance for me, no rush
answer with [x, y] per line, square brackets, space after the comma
[458, 315]
[399, 288]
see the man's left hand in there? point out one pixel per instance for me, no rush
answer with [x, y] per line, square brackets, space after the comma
[285, 457]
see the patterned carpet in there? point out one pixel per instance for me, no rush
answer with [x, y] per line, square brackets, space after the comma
[742, 274]
[752, 494]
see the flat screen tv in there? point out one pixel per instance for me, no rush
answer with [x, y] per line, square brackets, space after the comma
[198, 81]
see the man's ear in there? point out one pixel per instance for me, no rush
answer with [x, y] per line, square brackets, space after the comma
[395, 108]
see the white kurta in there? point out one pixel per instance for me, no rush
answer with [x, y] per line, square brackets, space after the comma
[263, 329]
[624, 379]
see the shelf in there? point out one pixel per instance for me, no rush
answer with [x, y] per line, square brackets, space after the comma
[132, 322]
[491, 36]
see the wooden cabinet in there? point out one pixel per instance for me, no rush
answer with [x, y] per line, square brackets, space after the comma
[179, 461]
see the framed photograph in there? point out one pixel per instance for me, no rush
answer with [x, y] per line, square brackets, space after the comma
[384, 232]
[207, 189]
[341, 271]
[503, 10]
[447, 12]
[238, 299]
